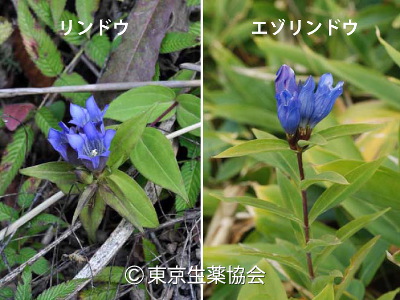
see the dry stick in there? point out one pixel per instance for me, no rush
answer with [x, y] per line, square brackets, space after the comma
[56, 197]
[189, 66]
[11, 276]
[30, 215]
[305, 214]
[117, 86]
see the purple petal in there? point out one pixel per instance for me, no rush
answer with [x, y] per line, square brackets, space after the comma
[79, 115]
[109, 135]
[76, 141]
[91, 132]
[93, 110]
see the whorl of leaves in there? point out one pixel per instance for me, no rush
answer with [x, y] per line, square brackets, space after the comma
[14, 156]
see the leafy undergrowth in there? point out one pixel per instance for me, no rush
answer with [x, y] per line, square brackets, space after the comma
[38, 53]
[352, 175]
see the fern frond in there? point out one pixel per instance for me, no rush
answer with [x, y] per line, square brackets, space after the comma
[176, 41]
[45, 120]
[73, 79]
[98, 49]
[191, 177]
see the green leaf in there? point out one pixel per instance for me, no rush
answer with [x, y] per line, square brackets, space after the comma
[6, 293]
[98, 49]
[85, 197]
[287, 260]
[154, 157]
[130, 200]
[111, 274]
[337, 192]
[57, 8]
[92, 215]
[355, 263]
[14, 156]
[263, 204]
[27, 192]
[138, 100]
[128, 134]
[24, 291]
[38, 44]
[45, 120]
[188, 111]
[86, 11]
[390, 296]
[57, 172]
[191, 177]
[253, 147]
[71, 80]
[150, 252]
[6, 30]
[42, 10]
[339, 131]
[60, 291]
[7, 213]
[176, 41]
[393, 53]
[73, 36]
[326, 294]
[347, 231]
[103, 292]
[325, 176]
[271, 289]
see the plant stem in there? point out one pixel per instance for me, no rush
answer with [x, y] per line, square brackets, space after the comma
[305, 214]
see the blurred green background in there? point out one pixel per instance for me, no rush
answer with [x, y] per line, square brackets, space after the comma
[239, 96]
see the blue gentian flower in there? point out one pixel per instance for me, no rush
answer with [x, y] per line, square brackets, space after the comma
[300, 106]
[87, 143]
[92, 113]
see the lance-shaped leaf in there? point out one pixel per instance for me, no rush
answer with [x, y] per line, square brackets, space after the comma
[325, 176]
[348, 231]
[154, 157]
[128, 134]
[253, 147]
[272, 288]
[339, 131]
[263, 204]
[337, 192]
[126, 196]
[84, 198]
[92, 215]
[57, 172]
[355, 264]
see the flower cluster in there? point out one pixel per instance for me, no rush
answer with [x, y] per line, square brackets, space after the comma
[86, 143]
[301, 106]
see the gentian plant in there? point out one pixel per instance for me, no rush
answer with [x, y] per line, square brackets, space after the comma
[92, 155]
[300, 108]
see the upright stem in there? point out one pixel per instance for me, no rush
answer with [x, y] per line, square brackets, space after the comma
[305, 214]
[166, 112]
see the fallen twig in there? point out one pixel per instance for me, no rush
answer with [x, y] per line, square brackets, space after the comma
[30, 215]
[11, 276]
[189, 66]
[117, 86]
[113, 244]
